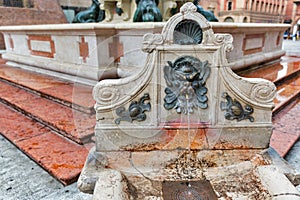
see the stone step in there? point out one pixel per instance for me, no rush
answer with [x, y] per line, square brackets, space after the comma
[73, 95]
[286, 77]
[276, 72]
[76, 125]
[287, 92]
[61, 157]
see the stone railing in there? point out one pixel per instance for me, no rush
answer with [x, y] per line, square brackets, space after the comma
[90, 52]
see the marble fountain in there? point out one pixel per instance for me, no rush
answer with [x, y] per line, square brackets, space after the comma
[184, 126]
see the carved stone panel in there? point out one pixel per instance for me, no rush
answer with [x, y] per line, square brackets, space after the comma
[186, 79]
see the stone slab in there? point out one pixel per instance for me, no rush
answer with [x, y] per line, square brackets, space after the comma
[164, 139]
[110, 186]
[277, 184]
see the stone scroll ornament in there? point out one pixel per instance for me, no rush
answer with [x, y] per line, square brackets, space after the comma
[186, 79]
[234, 109]
[136, 110]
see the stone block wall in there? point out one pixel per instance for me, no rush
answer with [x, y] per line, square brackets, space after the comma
[43, 12]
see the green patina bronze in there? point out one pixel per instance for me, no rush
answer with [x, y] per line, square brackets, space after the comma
[207, 14]
[92, 14]
[147, 11]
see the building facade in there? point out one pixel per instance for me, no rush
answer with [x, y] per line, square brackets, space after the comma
[27, 12]
[256, 11]
[295, 28]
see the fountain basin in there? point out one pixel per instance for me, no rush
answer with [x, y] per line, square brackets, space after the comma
[91, 52]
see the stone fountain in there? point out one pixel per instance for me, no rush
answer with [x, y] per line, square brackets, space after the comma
[184, 126]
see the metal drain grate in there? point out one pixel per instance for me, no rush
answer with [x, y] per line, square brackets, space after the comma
[198, 190]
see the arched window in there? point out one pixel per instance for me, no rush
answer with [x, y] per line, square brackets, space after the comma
[228, 19]
[262, 7]
[258, 8]
[245, 20]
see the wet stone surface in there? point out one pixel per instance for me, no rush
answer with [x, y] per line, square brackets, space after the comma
[194, 190]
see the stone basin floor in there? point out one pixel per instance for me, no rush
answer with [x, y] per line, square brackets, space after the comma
[23, 179]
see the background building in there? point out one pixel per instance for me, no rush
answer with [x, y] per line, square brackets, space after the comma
[25, 12]
[257, 11]
[295, 30]
[72, 7]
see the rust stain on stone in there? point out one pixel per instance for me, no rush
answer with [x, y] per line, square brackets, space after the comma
[229, 145]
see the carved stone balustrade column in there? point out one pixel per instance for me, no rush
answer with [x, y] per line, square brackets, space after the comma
[110, 5]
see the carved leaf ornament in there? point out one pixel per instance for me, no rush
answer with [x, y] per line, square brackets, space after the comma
[234, 109]
[186, 79]
[136, 110]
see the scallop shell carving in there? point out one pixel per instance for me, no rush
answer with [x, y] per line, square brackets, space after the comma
[187, 32]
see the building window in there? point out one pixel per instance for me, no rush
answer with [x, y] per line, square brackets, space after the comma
[13, 3]
[17, 3]
[262, 7]
[252, 5]
[229, 5]
[257, 6]
[228, 19]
